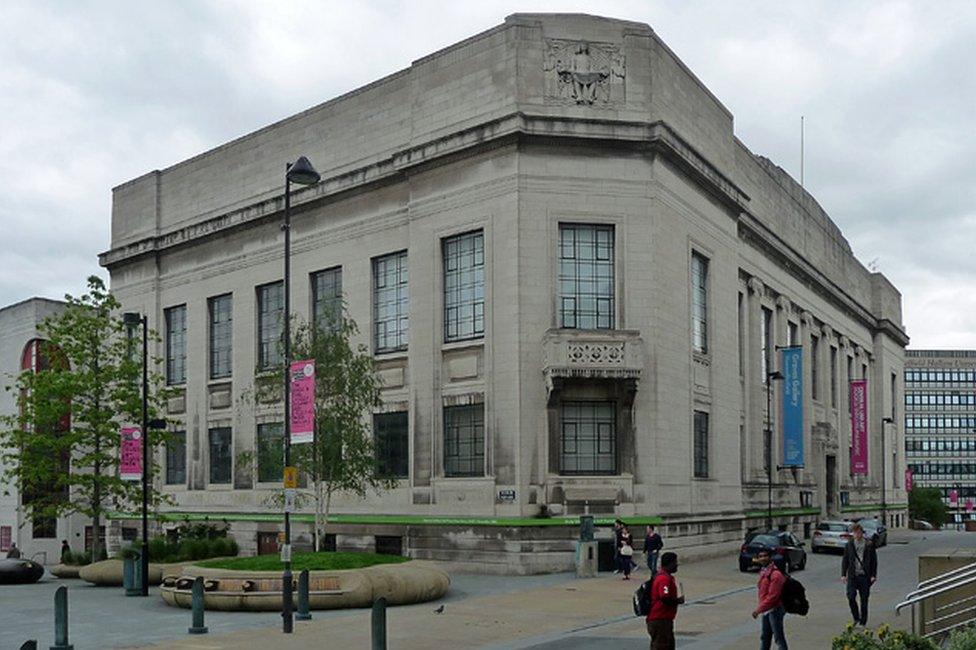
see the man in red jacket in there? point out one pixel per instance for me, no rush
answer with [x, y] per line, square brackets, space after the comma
[664, 604]
[770, 608]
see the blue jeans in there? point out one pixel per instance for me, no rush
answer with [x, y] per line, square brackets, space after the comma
[652, 561]
[772, 627]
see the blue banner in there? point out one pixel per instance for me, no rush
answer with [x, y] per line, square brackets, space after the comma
[792, 406]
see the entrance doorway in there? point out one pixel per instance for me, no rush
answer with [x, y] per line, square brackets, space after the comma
[830, 485]
[267, 543]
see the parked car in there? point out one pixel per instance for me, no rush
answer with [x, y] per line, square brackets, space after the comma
[831, 536]
[780, 543]
[921, 524]
[875, 531]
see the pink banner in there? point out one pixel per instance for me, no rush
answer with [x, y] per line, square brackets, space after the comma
[969, 505]
[130, 454]
[953, 497]
[909, 480]
[302, 401]
[859, 426]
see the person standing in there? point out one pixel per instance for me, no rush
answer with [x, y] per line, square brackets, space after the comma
[770, 607]
[65, 551]
[664, 604]
[652, 546]
[617, 528]
[14, 552]
[625, 552]
[859, 570]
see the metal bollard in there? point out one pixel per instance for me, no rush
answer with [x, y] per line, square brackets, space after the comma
[61, 620]
[379, 624]
[131, 576]
[303, 614]
[197, 605]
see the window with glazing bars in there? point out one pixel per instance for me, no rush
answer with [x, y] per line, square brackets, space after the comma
[221, 336]
[699, 303]
[271, 452]
[391, 302]
[271, 311]
[701, 444]
[220, 451]
[390, 431]
[586, 276]
[815, 367]
[464, 286]
[176, 458]
[833, 376]
[176, 345]
[464, 440]
[589, 438]
[767, 353]
[327, 298]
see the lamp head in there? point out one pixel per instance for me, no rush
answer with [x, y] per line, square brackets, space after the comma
[302, 172]
[131, 319]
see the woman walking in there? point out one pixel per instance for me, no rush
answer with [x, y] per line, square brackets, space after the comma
[626, 551]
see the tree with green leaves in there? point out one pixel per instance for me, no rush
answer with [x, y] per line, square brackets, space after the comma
[342, 457]
[61, 449]
[926, 503]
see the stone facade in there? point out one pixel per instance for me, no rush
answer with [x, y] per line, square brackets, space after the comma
[940, 420]
[540, 125]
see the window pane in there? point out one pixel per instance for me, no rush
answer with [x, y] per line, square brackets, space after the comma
[221, 321]
[271, 452]
[464, 440]
[391, 431]
[586, 276]
[588, 438]
[391, 302]
[327, 298]
[701, 444]
[464, 286]
[271, 307]
[220, 450]
[176, 345]
[699, 303]
[176, 458]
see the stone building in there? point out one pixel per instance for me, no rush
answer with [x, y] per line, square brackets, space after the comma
[19, 335]
[940, 423]
[573, 276]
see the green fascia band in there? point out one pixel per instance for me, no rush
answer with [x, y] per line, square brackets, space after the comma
[784, 512]
[861, 507]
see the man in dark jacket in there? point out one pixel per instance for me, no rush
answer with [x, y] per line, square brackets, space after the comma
[859, 570]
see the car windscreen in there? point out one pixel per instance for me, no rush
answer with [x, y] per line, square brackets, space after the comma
[765, 540]
[868, 523]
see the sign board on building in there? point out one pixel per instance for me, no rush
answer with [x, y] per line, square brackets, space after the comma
[859, 426]
[793, 406]
[302, 401]
[506, 495]
[130, 454]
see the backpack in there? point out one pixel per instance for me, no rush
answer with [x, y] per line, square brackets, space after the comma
[795, 597]
[642, 599]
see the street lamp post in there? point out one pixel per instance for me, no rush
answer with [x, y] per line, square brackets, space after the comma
[884, 461]
[300, 172]
[775, 375]
[130, 320]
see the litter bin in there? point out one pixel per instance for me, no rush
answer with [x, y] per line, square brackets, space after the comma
[605, 555]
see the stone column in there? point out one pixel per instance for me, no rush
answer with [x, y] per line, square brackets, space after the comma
[755, 397]
[843, 411]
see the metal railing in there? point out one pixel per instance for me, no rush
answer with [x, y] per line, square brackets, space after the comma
[938, 586]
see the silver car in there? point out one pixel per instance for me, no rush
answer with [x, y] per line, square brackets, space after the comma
[831, 535]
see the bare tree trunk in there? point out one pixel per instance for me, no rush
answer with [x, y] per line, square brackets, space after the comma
[328, 504]
[318, 513]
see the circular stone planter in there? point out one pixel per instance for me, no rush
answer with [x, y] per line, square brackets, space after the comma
[65, 571]
[260, 591]
[108, 573]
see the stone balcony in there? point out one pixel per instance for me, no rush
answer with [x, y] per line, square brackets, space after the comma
[591, 354]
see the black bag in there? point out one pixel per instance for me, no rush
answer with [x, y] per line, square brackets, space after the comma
[795, 597]
[642, 599]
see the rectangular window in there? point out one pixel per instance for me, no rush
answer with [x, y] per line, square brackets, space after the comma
[6, 534]
[815, 367]
[221, 336]
[589, 438]
[742, 338]
[833, 376]
[701, 444]
[176, 458]
[464, 286]
[271, 315]
[271, 452]
[586, 277]
[220, 451]
[894, 397]
[767, 356]
[391, 432]
[391, 302]
[176, 345]
[767, 449]
[464, 440]
[327, 298]
[792, 334]
[699, 303]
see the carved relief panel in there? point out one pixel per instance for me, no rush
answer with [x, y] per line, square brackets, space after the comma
[584, 73]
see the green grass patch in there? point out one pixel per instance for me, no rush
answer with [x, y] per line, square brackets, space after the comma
[322, 561]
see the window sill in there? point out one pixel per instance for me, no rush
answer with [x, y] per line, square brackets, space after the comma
[704, 479]
[391, 355]
[478, 342]
[219, 487]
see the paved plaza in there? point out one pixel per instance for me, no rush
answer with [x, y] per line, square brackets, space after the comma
[540, 612]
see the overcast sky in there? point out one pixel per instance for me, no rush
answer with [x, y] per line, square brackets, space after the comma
[95, 93]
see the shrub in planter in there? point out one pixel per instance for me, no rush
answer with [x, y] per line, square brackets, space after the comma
[886, 639]
[962, 639]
